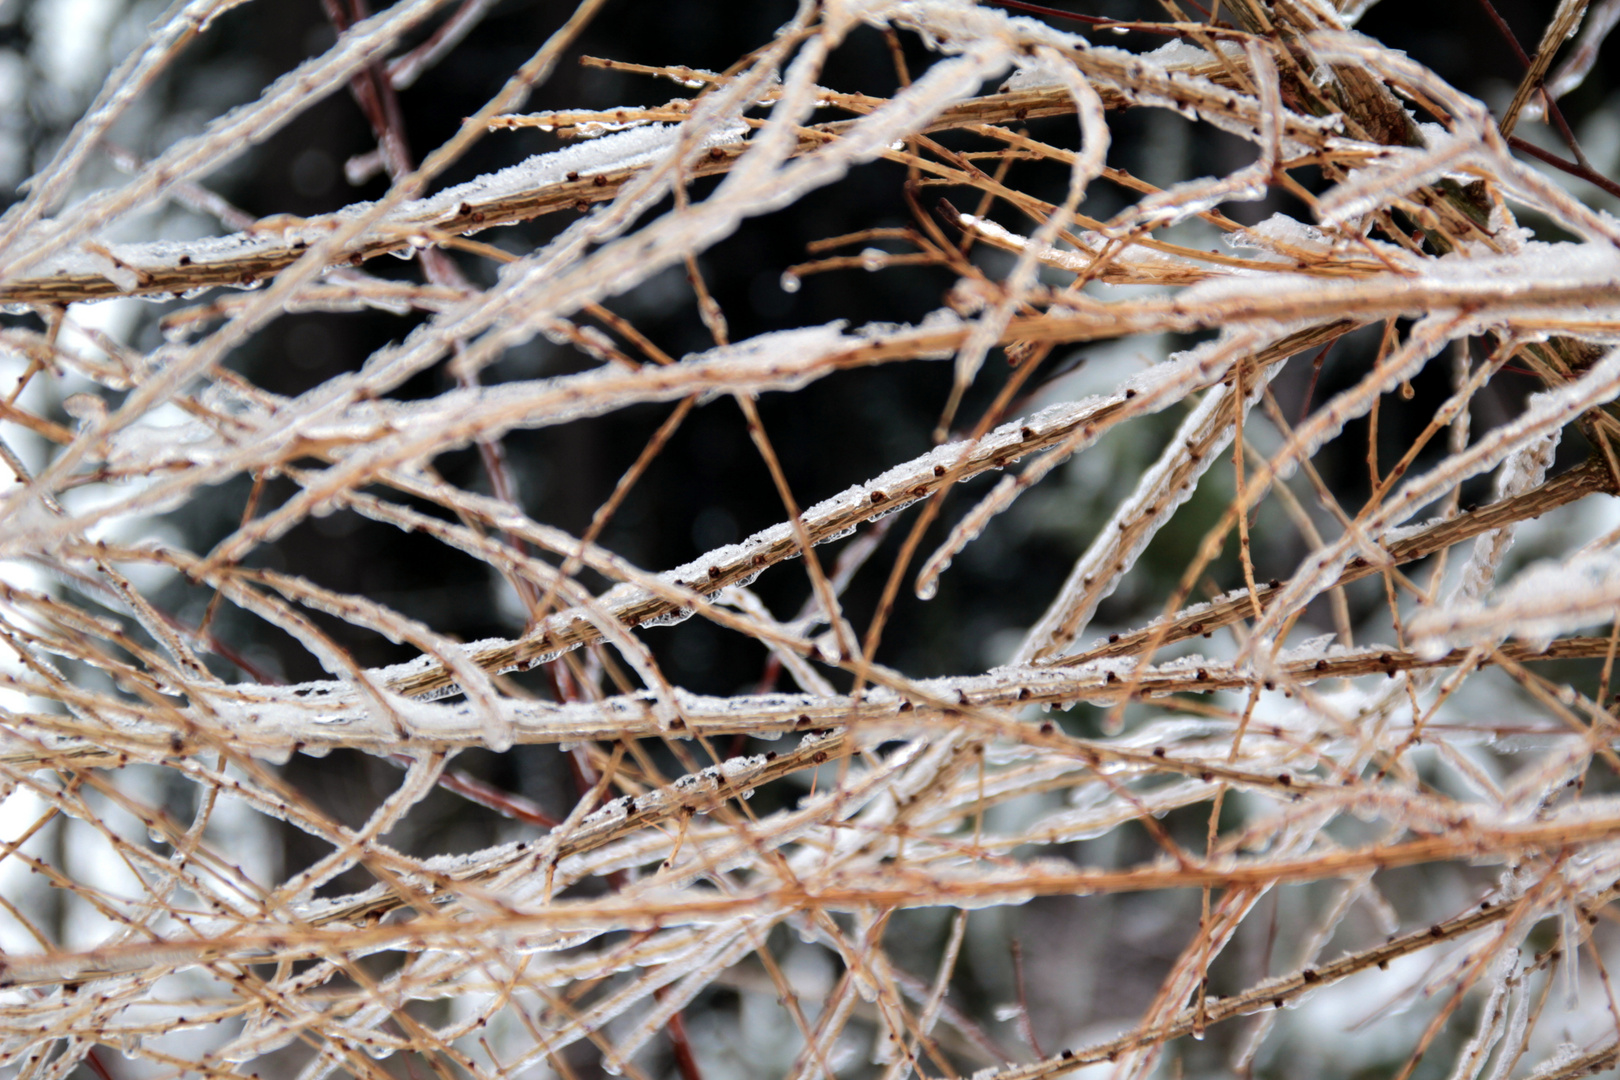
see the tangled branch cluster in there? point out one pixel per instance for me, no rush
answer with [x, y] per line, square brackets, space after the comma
[1303, 761]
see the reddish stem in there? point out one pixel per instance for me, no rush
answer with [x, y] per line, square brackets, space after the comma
[1089, 20]
[1026, 1027]
[1554, 114]
[1574, 168]
[685, 1060]
[96, 1065]
[504, 803]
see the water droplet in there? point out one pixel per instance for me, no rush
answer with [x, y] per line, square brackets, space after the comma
[873, 259]
[278, 755]
[669, 618]
[790, 281]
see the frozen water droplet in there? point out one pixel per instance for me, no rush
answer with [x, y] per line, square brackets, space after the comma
[926, 590]
[669, 618]
[790, 281]
[873, 259]
[1007, 1012]
[85, 407]
[155, 834]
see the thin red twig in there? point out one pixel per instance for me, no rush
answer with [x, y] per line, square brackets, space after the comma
[1574, 168]
[1026, 1027]
[1089, 20]
[1554, 114]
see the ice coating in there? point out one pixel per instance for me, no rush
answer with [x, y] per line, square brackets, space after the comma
[306, 715]
[124, 263]
[1136, 257]
[617, 151]
[1524, 470]
[269, 710]
[1546, 413]
[1399, 168]
[1547, 599]
[119, 261]
[1285, 239]
[1070, 825]
[1162, 490]
[780, 361]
